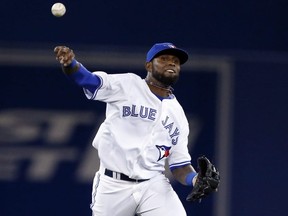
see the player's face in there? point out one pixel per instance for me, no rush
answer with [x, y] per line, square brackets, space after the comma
[165, 69]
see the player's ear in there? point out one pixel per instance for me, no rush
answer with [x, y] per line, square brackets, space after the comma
[148, 66]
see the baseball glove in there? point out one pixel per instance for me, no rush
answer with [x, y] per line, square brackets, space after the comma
[207, 181]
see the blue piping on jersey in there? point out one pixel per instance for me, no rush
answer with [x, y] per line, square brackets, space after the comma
[178, 165]
[95, 92]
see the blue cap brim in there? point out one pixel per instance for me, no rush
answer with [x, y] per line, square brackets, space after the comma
[166, 48]
[181, 54]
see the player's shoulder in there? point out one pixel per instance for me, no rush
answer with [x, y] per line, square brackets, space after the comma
[129, 77]
[134, 76]
[127, 80]
[175, 105]
[126, 75]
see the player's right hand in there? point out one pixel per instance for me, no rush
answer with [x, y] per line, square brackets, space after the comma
[64, 55]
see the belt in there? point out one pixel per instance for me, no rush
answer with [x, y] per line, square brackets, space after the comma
[121, 176]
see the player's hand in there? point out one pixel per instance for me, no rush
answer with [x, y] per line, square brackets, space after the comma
[64, 55]
[207, 181]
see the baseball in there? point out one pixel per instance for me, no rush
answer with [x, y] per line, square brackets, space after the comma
[58, 9]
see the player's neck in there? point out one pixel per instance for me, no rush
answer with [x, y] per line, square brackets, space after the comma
[163, 91]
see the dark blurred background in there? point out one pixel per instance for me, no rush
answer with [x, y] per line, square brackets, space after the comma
[233, 88]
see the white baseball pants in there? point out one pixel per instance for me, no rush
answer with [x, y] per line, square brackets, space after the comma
[153, 197]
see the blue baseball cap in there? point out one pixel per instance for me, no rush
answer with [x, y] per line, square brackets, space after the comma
[166, 48]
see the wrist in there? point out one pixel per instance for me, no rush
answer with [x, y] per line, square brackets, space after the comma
[71, 68]
[72, 64]
[190, 178]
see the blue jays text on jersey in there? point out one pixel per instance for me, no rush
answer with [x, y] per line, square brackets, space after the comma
[149, 113]
[145, 112]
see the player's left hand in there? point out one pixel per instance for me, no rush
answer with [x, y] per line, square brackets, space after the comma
[64, 55]
[207, 180]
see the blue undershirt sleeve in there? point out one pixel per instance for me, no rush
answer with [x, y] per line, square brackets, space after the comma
[83, 78]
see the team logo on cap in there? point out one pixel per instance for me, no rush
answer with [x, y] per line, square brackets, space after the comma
[164, 151]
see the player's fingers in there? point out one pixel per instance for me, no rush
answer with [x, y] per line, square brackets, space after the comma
[67, 60]
[57, 51]
[64, 55]
[68, 54]
[60, 51]
[58, 48]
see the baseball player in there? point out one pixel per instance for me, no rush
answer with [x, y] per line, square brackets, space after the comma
[144, 126]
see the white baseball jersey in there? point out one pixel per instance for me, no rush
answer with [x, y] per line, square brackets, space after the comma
[140, 131]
